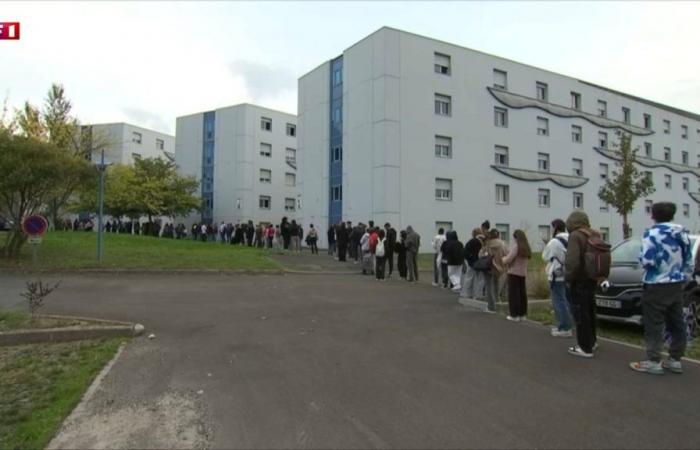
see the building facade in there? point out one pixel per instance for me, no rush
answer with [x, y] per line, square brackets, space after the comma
[414, 131]
[245, 157]
[123, 142]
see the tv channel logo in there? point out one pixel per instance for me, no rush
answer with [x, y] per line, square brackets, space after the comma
[9, 31]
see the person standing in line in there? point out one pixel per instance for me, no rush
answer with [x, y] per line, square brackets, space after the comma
[666, 258]
[473, 282]
[279, 240]
[203, 232]
[373, 239]
[486, 228]
[436, 243]
[389, 247]
[364, 250]
[294, 235]
[516, 261]
[582, 288]
[400, 249]
[331, 235]
[312, 238]
[301, 237]
[412, 248]
[554, 254]
[342, 241]
[285, 230]
[222, 232]
[250, 233]
[380, 255]
[454, 255]
[270, 235]
[496, 249]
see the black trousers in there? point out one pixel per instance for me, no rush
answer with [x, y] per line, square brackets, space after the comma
[390, 259]
[342, 248]
[443, 274]
[379, 270]
[583, 310]
[517, 296]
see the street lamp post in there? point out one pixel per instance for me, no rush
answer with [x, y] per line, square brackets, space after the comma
[100, 238]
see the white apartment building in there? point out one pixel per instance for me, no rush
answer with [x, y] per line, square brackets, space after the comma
[245, 156]
[414, 131]
[123, 142]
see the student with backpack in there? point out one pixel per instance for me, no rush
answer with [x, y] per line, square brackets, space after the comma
[554, 255]
[666, 257]
[380, 255]
[587, 262]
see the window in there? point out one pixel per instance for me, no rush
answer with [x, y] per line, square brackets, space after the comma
[446, 226]
[684, 157]
[337, 77]
[502, 194]
[605, 233]
[503, 231]
[337, 193]
[290, 179]
[667, 126]
[542, 126]
[500, 117]
[543, 198]
[264, 202]
[647, 206]
[501, 156]
[626, 115]
[336, 153]
[543, 162]
[578, 167]
[160, 144]
[647, 149]
[649, 176]
[667, 181]
[647, 121]
[443, 146]
[443, 105]
[541, 91]
[500, 79]
[136, 155]
[265, 176]
[667, 154]
[290, 155]
[265, 124]
[575, 100]
[443, 189]
[578, 200]
[442, 64]
[686, 183]
[545, 233]
[603, 168]
[604, 207]
[686, 210]
[576, 134]
[290, 204]
[337, 115]
[603, 139]
[136, 137]
[291, 129]
[684, 131]
[265, 150]
[602, 108]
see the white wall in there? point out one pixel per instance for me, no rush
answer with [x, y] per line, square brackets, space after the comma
[119, 142]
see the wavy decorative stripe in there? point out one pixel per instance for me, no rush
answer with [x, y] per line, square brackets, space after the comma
[695, 196]
[518, 101]
[650, 162]
[566, 181]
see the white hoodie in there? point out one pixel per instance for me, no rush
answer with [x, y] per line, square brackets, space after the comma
[554, 254]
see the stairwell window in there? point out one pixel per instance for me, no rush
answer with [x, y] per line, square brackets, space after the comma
[500, 117]
[500, 79]
[501, 156]
[442, 64]
[443, 105]
[543, 126]
[443, 189]
[336, 153]
[337, 193]
[443, 147]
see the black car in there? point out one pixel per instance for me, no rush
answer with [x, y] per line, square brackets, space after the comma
[619, 298]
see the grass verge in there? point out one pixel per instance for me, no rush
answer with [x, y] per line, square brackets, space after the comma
[68, 250]
[40, 384]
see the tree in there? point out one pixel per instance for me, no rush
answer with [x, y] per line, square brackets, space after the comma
[627, 184]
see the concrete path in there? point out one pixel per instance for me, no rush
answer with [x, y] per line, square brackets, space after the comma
[342, 361]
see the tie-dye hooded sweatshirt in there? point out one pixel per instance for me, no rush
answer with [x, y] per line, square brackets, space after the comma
[666, 254]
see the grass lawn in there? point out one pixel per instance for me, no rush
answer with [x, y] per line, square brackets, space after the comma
[619, 331]
[40, 384]
[77, 250]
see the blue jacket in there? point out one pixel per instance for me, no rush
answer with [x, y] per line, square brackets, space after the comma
[666, 254]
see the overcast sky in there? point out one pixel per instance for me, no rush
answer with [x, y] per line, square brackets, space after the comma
[147, 63]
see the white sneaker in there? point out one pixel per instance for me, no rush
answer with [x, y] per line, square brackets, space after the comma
[578, 351]
[513, 319]
[561, 333]
[435, 284]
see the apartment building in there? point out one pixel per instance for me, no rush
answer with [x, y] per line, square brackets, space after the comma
[410, 130]
[246, 158]
[124, 142]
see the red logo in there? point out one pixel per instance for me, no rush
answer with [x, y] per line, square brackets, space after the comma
[9, 31]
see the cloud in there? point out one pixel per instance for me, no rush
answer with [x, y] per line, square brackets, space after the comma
[263, 80]
[147, 119]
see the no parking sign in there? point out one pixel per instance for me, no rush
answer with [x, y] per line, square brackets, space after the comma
[35, 226]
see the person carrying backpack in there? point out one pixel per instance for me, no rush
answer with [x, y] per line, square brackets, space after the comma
[380, 255]
[666, 258]
[554, 255]
[587, 262]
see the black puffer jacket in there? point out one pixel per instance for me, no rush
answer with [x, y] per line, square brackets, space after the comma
[471, 251]
[452, 249]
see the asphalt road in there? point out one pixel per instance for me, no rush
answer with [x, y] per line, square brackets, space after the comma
[342, 361]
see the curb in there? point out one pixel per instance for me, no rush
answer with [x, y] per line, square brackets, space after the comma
[75, 333]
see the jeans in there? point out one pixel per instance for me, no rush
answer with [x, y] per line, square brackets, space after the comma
[492, 284]
[560, 302]
[412, 265]
[472, 284]
[662, 304]
[331, 248]
[583, 309]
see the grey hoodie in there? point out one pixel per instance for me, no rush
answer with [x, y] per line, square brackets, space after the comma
[412, 240]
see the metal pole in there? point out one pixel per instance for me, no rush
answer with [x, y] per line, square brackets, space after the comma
[101, 200]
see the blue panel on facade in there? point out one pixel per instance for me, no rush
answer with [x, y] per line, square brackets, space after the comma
[335, 150]
[208, 135]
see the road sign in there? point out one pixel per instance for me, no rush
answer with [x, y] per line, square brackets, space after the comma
[35, 225]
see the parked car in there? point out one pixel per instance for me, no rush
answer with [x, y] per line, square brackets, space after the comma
[619, 298]
[5, 224]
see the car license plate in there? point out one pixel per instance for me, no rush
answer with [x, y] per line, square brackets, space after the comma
[615, 304]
